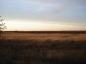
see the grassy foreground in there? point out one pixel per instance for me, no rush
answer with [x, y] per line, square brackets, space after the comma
[42, 52]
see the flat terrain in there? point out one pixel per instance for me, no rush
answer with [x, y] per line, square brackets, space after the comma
[43, 48]
[45, 36]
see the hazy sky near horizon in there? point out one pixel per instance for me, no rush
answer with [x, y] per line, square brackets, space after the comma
[44, 14]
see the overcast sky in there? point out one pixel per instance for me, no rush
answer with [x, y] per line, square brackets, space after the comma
[44, 14]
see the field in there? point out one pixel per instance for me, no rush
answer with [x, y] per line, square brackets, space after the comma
[43, 48]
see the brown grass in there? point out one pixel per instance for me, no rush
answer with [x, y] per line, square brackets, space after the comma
[43, 48]
[45, 36]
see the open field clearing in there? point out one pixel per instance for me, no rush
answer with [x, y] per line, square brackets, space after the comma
[45, 36]
[43, 48]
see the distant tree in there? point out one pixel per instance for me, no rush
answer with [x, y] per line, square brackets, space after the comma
[2, 26]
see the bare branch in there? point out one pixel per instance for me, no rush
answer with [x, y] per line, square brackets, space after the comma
[2, 26]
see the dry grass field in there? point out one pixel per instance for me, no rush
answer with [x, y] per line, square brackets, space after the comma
[45, 36]
[43, 48]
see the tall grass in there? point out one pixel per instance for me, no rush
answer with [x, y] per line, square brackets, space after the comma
[42, 52]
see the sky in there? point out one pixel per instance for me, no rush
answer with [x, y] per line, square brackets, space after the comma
[44, 15]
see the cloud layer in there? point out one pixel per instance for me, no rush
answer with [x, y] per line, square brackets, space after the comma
[50, 10]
